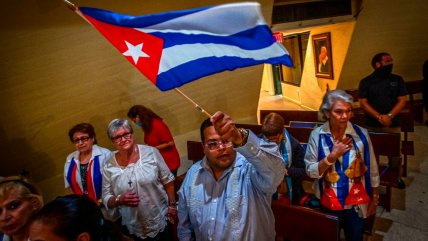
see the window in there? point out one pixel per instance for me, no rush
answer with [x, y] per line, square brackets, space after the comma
[296, 45]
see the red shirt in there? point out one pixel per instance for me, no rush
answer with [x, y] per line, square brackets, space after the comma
[160, 134]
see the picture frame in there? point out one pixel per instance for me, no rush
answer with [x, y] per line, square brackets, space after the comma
[323, 58]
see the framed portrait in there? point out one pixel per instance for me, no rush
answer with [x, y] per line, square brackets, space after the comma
[323, 59]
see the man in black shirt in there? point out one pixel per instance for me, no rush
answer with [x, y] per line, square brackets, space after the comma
[382, 94]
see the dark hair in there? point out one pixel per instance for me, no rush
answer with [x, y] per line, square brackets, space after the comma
[377, 58]
[205, 124]
[273, 124]
[71, 215]
[84, 128]
[145, 114]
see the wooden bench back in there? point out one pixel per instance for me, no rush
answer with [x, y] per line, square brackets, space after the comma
[195, 151]
[292, 222]
[292, 115]
[413, 88]
[386, 144]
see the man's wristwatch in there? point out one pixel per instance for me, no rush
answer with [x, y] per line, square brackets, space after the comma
[390, 116]
[244, 134]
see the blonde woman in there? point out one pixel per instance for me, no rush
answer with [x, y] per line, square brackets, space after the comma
[19, 201]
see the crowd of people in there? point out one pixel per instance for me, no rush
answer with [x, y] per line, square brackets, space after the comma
[128, 194]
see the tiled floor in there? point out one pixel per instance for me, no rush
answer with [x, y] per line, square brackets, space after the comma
[408, 219]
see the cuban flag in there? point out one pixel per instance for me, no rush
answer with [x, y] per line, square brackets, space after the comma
[175, 48]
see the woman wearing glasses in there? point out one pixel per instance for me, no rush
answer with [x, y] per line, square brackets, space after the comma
[138, 182]
[83, 167]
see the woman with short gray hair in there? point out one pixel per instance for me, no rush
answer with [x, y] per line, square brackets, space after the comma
[331, 98]
[340, 157]
[138, 182]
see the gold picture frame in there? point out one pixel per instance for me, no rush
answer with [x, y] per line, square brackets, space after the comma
[323, 58]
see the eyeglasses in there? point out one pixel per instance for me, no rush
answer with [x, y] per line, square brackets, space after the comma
[118, 138]
[82, 139]
[216, 145]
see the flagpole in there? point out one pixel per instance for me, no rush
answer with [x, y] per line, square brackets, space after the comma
[71, 5]
[196, 105]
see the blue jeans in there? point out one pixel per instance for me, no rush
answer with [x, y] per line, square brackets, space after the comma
[351, 223]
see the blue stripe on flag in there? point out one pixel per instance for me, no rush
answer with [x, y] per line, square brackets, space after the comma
[196, 69]
[134, 21]
[248, 39]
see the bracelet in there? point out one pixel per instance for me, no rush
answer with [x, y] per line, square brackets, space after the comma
[327, 162]
[172, 203]
[117, 200]
[244, 134]
[391, 116]
[375, 196]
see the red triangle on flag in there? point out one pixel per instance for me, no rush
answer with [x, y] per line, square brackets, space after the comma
[330, 200]
[124, 38]
[357, 195]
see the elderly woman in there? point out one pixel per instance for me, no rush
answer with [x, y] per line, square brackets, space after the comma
[340, 156]
[72, 217]
[137, 180]
[19, 200]
[156, 134]
[83, 167]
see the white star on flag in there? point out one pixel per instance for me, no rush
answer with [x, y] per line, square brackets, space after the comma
[135, 51]
[356, 191]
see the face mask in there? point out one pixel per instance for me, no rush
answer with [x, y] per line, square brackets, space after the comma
[139, 123]
[384, 71]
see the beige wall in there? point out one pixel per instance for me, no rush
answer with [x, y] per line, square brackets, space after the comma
[312, 88]
[57, 71]
[394, 26]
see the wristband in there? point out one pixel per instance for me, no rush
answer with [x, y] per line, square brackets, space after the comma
[327, 162]
[117, 200]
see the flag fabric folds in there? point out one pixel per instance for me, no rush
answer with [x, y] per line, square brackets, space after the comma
[175, 48]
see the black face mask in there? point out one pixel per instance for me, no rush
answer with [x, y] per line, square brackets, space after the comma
[384, 71]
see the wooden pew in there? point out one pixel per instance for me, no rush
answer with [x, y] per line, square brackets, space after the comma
[417, 104]
[302, 224]
[195, 151]
[293, 115]
[386, 144]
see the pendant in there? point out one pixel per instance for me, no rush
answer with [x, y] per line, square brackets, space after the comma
[332, 176]
[357, 167]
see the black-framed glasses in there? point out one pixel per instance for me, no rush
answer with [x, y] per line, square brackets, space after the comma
[82, 139]
[216, 145]
[118, 138]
